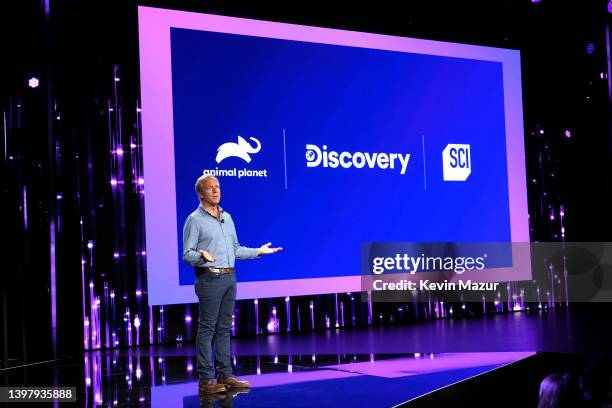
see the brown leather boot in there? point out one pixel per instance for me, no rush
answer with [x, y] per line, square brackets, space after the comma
[233, 382]
[210, 387]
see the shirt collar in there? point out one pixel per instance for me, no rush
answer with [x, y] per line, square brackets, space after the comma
[201, 207]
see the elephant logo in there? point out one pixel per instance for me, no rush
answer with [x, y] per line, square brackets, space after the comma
[242, 149]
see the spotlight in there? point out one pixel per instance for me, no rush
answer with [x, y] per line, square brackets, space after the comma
[33, 82]
[610, 6]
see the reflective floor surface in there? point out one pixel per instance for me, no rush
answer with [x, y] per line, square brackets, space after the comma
[135, 377]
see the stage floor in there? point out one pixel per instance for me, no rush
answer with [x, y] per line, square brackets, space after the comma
[374, 367]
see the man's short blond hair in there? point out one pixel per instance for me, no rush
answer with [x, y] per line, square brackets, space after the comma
[200, 182]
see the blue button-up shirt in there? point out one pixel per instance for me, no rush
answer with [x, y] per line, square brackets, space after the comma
[202, 231]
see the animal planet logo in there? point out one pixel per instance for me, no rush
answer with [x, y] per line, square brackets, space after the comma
[242, 150]
[456, 162]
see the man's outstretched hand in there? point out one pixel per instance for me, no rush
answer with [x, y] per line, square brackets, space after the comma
[265, 249]
[207, 257]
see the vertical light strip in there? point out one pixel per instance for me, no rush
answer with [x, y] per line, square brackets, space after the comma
[52, 195]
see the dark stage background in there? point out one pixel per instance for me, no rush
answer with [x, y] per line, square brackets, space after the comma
[73, 254]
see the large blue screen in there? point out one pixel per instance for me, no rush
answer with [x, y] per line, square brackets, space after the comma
[373, 108]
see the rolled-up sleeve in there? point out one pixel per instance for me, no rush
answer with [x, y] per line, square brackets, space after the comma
[243, 252]
[191, 233]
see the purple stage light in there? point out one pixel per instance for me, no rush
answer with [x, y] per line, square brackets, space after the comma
[590, 48]
[610, 6]
[119, 152]
[536, 1]
[116, 255]
[270, 326]
[140, 181]
[113, 182]
[188, 319]
[90, 244]
[568, 133]
[33, 82]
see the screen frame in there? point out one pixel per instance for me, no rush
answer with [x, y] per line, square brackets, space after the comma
[158, 142]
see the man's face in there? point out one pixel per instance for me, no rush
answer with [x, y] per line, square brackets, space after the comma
[211, 192]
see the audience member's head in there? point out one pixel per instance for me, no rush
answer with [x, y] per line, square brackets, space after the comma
[558, 391]
[595, 379]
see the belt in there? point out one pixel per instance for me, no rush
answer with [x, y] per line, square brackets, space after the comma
[200, 270]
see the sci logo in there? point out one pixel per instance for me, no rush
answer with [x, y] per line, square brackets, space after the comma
[456, 162]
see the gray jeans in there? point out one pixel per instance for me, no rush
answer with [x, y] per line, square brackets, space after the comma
[217, 295]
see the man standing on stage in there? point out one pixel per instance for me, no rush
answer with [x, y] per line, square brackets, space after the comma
[210, 244]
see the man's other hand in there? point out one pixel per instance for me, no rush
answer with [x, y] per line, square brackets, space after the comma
[265, 249]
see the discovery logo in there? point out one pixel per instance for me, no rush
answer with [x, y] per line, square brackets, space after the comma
[456, 162]
[316, 157]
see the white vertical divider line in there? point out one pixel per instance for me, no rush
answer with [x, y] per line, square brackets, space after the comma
[285, 157]
[424, 167]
